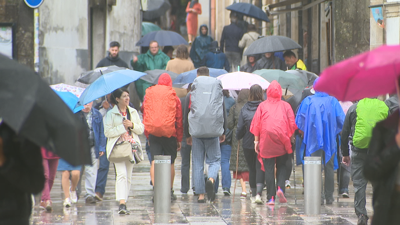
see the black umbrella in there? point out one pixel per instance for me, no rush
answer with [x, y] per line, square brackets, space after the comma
[271, 44]
[249, 10]
[153, 75]
[163, 37]
[155, 9]
[32, 109]
[92, 75]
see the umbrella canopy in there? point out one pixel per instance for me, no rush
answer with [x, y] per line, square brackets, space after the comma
[271, 44]
[249, 10]
[306, 76]
[163, 37]
[70, 99]
[90, 76]
[188, 77]
[286, 80]
[61, 87]
[32, 109]
[153, 75]
[148, 27]
[108, 83]
[241, 80]
[155, 9]
[366, 75]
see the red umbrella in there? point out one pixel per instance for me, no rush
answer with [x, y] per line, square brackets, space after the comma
[369, 74]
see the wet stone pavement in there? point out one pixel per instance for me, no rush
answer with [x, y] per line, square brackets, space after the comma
[186, 210]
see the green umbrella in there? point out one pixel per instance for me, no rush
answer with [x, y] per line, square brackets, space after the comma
[148, 27]
[288, 81]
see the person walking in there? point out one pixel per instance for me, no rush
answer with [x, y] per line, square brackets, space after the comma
[97, 142]
[240, 171]
[200, 46]
[69, 188]
[231, 35]
[21, 175]
[250, 66]
[247, 39]
[50, 163]
[204, 127]
[182, 62]
[357, 131]
[269, 61]
[185, 151]
[162, 118]
[320, 120]
[215, 58]
[122, 125]
[273, 127]
[153, 59]
[113, 57]
[292, 62]
[193, 9]
[256, 175]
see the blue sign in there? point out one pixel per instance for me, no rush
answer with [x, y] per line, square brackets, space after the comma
[33, 3]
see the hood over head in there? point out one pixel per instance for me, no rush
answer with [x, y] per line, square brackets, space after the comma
[274, 91]
[214, 47]
[165, 79]
[201, 34]
[243, 96]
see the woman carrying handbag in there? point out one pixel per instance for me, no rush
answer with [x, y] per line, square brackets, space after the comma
[122, 126]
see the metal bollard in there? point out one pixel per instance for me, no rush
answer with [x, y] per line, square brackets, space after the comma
[312, 185]
[162, 184]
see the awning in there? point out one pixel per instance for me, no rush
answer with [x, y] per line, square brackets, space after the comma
[287, 3]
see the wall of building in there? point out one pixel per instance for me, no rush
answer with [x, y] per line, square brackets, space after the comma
[18, 13]
[63, 46]
[352, 28]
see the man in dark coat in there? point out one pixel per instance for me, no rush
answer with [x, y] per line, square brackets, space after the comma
[250, 66]
[215, 58]
[113, 58]
[269, 61]
[21, 175]
[231, 35]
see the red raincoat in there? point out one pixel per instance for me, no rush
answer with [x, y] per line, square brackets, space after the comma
[274, 123]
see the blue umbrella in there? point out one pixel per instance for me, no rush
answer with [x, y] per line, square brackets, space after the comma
[188, 77]
[249, 10]
[163, 37]
[108, 83]
[70, 100]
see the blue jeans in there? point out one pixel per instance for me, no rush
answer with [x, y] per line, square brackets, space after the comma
[207, 149]
[185, 166]
[102, 173]
[225, 172]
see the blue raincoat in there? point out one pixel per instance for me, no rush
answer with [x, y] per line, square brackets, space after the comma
[321, 118]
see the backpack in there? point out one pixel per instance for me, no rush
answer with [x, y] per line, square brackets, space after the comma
[160, 111]
[206, 116]
[369, 112]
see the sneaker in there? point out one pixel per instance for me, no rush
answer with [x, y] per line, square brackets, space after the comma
[226, 191]
[42, 205]
[210, 190]
[281, 196]
[258, 200]
[72, 195]
[362, 220]
[243, 195]
[345, 195]
[90, 199]
[173, 196]
[67, 203]
[49, 206]
[98, 196]
[271, 201]
[122, 209]
[287, 184]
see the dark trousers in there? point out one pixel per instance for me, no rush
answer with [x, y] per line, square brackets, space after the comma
[185, 166]
[102, 174]
[256, 175]
[269, 166]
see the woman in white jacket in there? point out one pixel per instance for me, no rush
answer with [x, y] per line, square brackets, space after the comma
[122, 123]
[247, 39]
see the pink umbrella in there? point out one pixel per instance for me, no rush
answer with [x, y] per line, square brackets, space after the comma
[369, 74]
[241, 80]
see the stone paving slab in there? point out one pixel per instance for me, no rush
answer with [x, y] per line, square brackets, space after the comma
[186, 210]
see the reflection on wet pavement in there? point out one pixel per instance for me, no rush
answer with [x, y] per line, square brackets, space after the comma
[186, 209]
